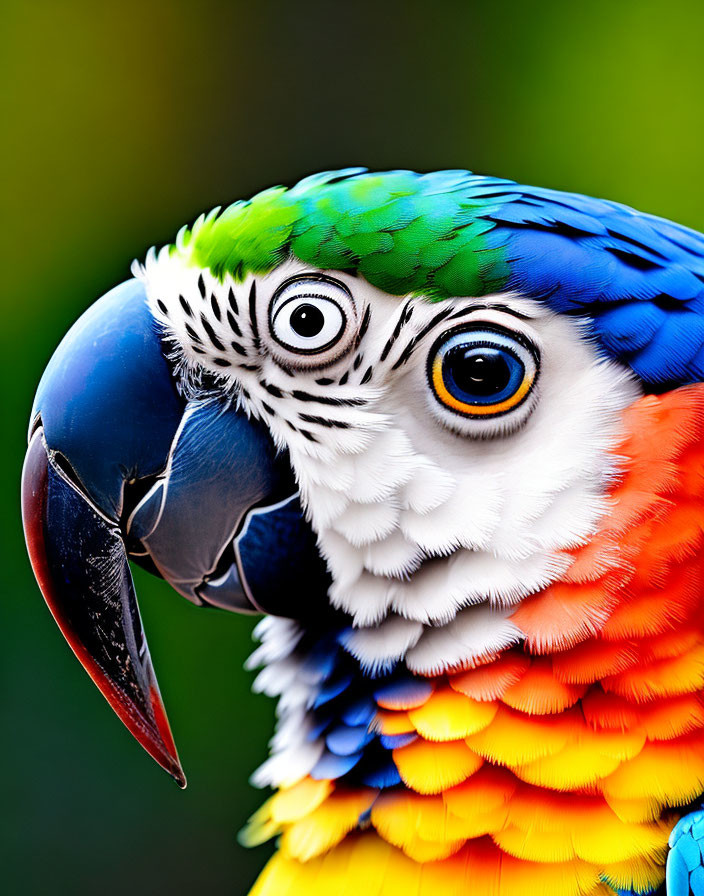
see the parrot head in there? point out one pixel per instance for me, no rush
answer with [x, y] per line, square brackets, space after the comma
[384, 404]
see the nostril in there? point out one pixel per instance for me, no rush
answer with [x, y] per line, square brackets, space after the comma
[62, 463]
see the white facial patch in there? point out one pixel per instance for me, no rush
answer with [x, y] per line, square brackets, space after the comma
[434, 525]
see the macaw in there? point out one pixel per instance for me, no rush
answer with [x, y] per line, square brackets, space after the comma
[445, 432]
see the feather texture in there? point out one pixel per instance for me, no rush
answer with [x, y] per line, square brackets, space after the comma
[506, 695]
[638, 278]
[550, 768]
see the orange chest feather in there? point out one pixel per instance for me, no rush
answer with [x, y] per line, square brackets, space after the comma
[570, 757]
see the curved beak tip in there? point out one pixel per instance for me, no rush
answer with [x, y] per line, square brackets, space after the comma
[80, 563]
[168, 755]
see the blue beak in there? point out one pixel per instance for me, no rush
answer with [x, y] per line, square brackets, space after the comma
[121, 466]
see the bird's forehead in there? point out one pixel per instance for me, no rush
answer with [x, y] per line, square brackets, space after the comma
[403, 232]
[635, 279]
[386, 306]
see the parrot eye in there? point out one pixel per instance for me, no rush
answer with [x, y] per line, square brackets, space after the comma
[312, 316]
[482, 371]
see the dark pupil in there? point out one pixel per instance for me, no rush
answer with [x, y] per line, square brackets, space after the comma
[480, 371]
[307, 320]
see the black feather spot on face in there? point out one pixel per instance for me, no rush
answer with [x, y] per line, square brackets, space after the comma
[403, 319]
[233, 301]
[162, 307]
[192, 333]
[324, 421]
[253, 314]
[211, 333]
[201, 285]
[186, 306]
[364, 326]
[234, 326]
[215, 306]
[328, 399]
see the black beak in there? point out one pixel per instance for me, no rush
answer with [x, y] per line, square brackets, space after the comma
[81, 565]
[121, 465]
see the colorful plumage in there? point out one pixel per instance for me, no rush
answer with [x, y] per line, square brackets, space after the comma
[491, 398]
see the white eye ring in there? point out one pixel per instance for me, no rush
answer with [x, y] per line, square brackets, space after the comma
[312, 315]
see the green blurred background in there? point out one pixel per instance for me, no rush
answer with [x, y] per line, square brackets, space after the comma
[122, 121]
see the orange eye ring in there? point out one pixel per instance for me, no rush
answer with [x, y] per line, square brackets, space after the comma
[482, 370]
